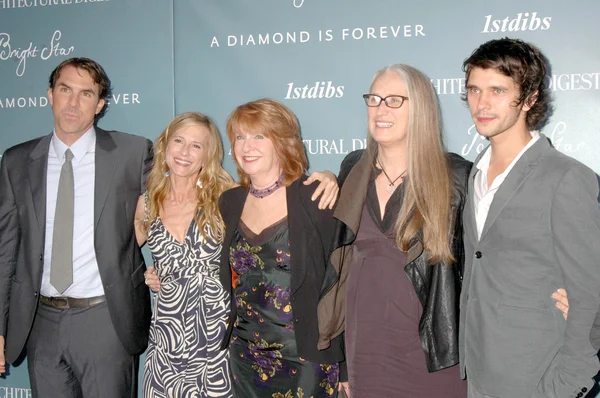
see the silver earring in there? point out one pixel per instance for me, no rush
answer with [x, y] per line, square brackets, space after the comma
[167, 173]
[199, 183]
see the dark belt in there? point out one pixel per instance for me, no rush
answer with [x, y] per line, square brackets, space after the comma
[69, 302]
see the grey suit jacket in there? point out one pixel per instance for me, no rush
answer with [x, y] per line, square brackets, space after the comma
[122, 164]
[542, 232]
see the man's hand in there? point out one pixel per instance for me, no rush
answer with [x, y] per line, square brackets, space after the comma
[2, 360]
[562, 301]
[151, 279]
[328, 188]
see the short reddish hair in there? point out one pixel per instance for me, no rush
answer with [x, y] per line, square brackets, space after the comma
[277, 123]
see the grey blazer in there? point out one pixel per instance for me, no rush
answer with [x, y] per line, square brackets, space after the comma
[542, 232]
[122, 164]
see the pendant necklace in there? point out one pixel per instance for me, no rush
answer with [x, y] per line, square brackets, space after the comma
[392, 184]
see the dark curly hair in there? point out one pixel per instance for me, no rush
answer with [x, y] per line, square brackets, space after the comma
[522, 62]
[92, 67]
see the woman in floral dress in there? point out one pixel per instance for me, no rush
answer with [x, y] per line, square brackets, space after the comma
[277, 243]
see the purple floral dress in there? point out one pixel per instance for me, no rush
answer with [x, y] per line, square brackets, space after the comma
[263, 352]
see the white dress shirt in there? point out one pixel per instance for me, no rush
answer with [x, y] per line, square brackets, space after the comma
[86, 277]
[484, 195]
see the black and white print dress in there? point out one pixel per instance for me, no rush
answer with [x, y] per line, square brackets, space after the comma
[189, 318]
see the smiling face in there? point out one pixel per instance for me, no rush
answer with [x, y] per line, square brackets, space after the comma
[75, 102]
[256, 156]
[388, 126]
[492, 97]
[186, 150]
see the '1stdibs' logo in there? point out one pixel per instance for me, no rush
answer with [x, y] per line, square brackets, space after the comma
[315, 91]
[521, 23]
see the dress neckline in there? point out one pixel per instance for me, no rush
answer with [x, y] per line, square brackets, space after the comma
[264, 236]
[173, 238]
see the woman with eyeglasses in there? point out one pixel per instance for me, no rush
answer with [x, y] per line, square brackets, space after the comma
[399, 253]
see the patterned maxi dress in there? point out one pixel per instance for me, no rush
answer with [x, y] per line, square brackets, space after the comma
[264, 354]
[189, 318]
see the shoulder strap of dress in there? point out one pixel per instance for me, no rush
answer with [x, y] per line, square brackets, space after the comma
[146, 212]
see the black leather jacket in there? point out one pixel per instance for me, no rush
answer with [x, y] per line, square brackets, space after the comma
[436, 285]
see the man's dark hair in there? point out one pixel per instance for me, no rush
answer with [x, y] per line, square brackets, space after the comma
[522, 62]
[92, 67]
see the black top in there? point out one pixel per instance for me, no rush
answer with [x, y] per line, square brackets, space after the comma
[392, 207]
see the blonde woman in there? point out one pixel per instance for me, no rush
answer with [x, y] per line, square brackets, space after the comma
[180, 219]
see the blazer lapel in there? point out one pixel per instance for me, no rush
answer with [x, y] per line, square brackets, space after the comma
[38, 168]
[231, 207]
[106, 161]
[232, 211]
[354, 194]
[515, 178]
[469, 222]
[298, 234]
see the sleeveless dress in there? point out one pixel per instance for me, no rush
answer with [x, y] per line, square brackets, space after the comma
[264, 354]
[188, 319]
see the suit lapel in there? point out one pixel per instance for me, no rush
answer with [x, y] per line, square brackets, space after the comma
[515, 178]
[469, 221]
[38, 168]
[106, 161]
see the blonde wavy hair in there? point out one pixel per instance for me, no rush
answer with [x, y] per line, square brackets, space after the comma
[427, 197]
[214, 179]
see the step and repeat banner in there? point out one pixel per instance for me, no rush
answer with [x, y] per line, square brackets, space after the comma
[317, 57]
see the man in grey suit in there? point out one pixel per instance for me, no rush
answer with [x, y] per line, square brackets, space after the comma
[71, 271]
[532, 225]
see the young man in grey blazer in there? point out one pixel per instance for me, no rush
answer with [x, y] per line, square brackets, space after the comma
[532, 225]
[72, 290]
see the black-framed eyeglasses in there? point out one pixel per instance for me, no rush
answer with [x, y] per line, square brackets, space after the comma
[392, 101]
